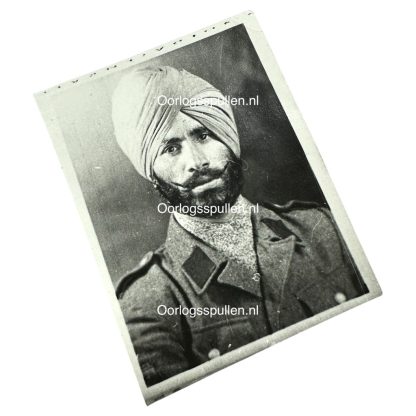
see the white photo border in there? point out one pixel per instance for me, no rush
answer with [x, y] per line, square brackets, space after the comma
[276, 78]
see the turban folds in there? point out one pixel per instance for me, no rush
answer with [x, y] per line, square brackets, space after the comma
[146, 103]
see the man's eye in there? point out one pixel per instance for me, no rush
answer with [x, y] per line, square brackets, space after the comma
[203, 136]
[171, 149]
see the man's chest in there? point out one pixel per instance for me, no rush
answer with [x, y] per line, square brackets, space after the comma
[231, 313]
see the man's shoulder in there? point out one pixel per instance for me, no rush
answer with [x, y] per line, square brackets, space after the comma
[292, 205]
[144, 276]
[300, 211]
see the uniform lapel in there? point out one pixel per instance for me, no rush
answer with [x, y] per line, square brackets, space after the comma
[275, 245]
[201, 263]
[235, 274]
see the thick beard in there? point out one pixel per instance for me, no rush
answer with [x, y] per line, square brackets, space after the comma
[228, 193]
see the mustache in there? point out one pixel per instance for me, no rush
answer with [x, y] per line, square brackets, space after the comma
[202, 176]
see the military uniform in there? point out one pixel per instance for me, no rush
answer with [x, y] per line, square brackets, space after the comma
[304, 269]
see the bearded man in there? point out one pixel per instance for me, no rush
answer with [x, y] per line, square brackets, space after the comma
[285, 263]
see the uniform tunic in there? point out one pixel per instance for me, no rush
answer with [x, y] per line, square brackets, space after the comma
[303, 268]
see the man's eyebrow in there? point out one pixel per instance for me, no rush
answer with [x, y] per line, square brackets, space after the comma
[170, 140]
[197, 131]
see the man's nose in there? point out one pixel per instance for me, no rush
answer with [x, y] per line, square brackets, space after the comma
[195, 158]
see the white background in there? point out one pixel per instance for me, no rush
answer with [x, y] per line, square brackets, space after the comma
[350, 66]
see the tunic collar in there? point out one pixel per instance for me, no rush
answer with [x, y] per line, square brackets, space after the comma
[201, 262]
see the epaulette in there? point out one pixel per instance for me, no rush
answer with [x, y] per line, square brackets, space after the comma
[293, 204]
[129, 278]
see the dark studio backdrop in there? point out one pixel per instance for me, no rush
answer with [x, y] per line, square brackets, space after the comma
[123, 205]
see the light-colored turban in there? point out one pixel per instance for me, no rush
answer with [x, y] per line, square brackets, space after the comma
[142, 113]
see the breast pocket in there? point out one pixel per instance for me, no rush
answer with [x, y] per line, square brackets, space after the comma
[215, 339]
[327, 291]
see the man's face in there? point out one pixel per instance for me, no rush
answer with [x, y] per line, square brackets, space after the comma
[193, 167]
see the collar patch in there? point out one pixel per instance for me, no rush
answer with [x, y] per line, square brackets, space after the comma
[199, 267]
[279, 228]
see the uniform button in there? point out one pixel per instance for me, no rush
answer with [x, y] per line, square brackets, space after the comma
[214, 353]
[256, 277]
[340, 297]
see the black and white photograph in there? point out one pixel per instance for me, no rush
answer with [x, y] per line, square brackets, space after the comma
[216, 220]
[206, 208]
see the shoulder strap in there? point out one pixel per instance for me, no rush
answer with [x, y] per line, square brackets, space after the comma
[293, 204]
[129, 278]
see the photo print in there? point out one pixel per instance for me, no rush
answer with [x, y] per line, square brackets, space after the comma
[211, 213]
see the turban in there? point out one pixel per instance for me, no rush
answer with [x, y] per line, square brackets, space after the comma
[146, 102]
